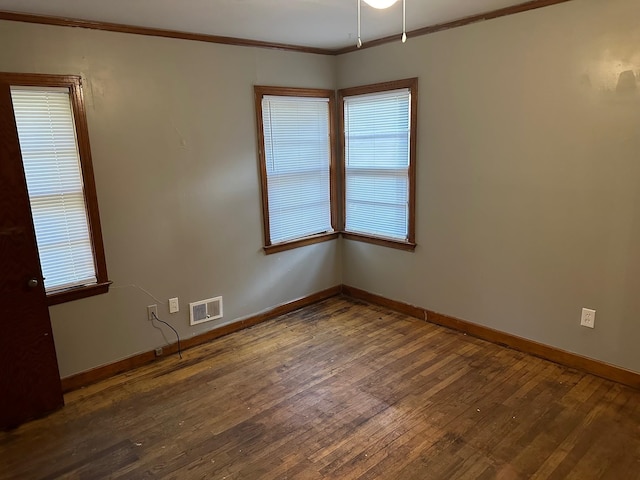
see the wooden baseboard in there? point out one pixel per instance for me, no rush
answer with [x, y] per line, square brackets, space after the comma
[573, 360]
[82, 379]
[562, 357]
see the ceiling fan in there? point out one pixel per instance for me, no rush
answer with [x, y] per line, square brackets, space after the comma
[382, 4]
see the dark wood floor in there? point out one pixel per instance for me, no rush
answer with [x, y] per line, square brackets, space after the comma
[338, 390]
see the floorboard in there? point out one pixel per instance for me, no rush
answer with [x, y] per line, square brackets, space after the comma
[338, 390]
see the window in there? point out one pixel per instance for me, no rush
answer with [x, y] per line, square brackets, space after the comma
[379, 139]
[295, 144]
[54, 145]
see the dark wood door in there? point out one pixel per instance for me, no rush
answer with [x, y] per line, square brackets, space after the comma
[29, 379]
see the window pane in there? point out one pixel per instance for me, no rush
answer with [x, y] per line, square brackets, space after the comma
[297, 156]
[51, 163]
[377, 144]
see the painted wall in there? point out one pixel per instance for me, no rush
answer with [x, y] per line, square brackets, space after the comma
[172, 130]
[528, 199]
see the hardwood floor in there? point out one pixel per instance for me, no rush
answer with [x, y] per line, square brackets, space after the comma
[338, 390]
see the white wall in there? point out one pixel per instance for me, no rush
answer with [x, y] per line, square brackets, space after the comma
[172, 130]
[528, 197]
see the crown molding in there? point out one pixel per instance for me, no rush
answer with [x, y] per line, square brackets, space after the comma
[502, 12]
[155, 32]
[243, 42]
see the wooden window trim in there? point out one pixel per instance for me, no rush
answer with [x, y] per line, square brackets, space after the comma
[382, 241]
[302, 242]
[412, 85]
[74, 84]
[76, 293]
[259, 92]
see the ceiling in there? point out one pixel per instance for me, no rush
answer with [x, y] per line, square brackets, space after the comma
[326, 24]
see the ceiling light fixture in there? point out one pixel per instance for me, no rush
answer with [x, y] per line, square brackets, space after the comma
[382, 4]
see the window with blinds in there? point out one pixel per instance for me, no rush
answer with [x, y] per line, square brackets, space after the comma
[378, 161]
[296, 164]
[47, 136]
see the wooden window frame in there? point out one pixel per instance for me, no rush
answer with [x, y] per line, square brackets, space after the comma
[74, 84]
[412, 85]
[259, 92]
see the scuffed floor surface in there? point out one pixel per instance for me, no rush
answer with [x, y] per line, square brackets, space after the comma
[338, 390]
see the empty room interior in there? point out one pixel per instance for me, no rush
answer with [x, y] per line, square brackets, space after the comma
[320, 240]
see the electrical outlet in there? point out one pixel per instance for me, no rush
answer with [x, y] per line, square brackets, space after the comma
[174, 306]
[151, 311]
[588, 318]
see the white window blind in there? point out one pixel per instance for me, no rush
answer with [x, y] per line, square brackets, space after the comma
[47, 136]
[377, 139]
[297, 156]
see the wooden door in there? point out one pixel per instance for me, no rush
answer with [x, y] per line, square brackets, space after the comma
[29, 379]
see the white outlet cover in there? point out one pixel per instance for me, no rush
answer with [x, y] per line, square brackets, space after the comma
[174, 306]
[588, 318]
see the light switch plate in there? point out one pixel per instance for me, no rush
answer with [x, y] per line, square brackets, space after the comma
[174, 306]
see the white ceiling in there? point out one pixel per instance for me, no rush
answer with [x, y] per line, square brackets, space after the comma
[326, 24]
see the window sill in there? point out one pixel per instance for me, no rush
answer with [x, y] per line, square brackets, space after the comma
[76, 293]
[302, 242]
[385, 242]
